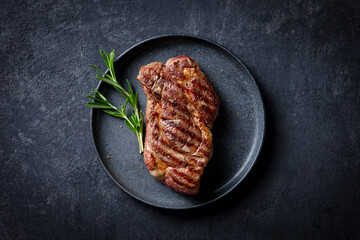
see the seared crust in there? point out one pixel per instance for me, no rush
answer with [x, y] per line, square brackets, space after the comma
[181, 108]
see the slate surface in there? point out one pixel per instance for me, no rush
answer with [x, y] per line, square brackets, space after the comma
[305, 58]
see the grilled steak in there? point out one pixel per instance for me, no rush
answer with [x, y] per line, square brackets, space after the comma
[181, 108]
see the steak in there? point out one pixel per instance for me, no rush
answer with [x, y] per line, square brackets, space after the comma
[181, 108]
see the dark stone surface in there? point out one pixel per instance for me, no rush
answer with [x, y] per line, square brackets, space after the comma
[305, 57]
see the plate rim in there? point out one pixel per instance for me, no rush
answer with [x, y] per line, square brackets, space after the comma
[262, 108]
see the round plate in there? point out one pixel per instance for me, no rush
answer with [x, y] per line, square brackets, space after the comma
[237, 133]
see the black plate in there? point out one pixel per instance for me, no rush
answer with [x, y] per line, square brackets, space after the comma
[237, 133]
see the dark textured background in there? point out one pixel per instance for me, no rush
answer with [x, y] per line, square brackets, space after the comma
[305, 58]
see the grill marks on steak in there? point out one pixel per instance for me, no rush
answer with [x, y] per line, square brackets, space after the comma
[181, 108]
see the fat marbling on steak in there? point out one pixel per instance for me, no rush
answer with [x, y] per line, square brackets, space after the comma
[181, 108]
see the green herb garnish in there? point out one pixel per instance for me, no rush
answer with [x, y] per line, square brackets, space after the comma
[135, 121]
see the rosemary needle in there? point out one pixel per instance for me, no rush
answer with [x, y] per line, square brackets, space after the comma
[135, 121]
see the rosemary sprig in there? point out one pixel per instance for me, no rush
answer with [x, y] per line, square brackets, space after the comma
[135, 120]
